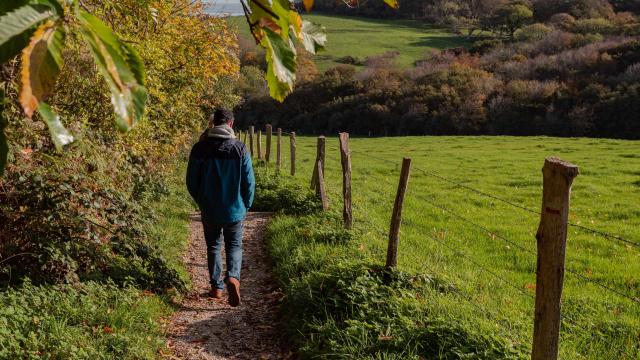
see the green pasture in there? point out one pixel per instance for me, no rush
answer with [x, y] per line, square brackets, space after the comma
[363, 37]
[496, 278]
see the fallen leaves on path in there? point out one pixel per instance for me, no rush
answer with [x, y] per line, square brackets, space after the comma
[207, 328]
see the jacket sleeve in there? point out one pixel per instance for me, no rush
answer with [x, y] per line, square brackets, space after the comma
[248, 182]
[193, 175]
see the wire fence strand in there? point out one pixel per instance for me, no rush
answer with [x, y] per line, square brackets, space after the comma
[482, 267]
[582, 277]
[634, 299]
[604, 234]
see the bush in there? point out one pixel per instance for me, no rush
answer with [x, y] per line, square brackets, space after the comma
[350, 60]
[70, 228]
[562, 21]
[482, 47]
[594, 26]
[274, 194]
[533, 32]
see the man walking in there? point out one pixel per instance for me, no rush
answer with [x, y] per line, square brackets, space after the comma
[220, 179]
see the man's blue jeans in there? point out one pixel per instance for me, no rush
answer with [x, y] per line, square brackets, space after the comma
[213, 234]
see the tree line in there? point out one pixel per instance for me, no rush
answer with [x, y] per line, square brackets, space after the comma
[567, 76]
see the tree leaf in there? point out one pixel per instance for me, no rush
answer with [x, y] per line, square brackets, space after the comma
[281, 64]
[120, 66]
[308, 5]
[17, 25]
[59, 134]
[393, 3]
[41, 63]
[314, 36]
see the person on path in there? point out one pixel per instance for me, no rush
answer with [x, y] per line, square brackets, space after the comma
[220, 179]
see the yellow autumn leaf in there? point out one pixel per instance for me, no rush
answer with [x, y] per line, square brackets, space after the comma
[308, 5]
[393, 3]
[41, 62]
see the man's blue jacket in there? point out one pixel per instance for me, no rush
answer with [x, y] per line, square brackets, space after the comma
[220, 179]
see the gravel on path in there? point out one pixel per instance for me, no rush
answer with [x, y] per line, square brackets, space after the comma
[207, 328]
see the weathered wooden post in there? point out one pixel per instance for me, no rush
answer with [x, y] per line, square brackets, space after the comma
[279, 150]
[259, 144]
[251, 131]
[345, 156]
[292, 141]
[321, 191]
[558, 176]
[396, 216]
[269, 131]
[320, 156]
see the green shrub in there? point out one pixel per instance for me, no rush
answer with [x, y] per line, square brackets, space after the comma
[482, 47]
[77, 229]
[563, 21]
[533, 32]
[594, 26]
[278, 195]
[88, 321]
[350, 60]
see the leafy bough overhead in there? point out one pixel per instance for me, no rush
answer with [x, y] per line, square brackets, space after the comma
[36, 30]
[277, 27]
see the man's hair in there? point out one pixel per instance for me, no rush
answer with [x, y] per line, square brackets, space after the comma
[222, 116]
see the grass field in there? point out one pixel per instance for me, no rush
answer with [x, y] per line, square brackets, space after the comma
[362, 37]
[606, 196]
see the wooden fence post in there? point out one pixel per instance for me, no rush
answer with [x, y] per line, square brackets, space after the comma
[321, 191]
[345, 156]
[396, 216]
[251, 131]
[279, 150]
[259, 144]
[320, 156]
[269, 131]
[292, 140]
[558, 176]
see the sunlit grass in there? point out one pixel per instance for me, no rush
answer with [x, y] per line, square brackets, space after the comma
[363, 37]
[606, 196]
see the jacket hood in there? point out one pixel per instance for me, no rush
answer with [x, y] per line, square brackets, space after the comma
[221, 132]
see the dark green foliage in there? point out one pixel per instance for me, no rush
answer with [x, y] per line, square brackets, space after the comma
[324, 227]
[350, 60]
[275, 194]
[484, 46]
[76, 230]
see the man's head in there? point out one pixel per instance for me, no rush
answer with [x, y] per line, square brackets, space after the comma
[222, 117]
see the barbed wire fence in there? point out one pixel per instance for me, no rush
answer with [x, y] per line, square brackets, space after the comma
[494, 236]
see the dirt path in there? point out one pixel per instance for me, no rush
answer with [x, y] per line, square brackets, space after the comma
[207, 328]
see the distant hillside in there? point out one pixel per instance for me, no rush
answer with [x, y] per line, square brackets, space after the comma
[363, 37]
